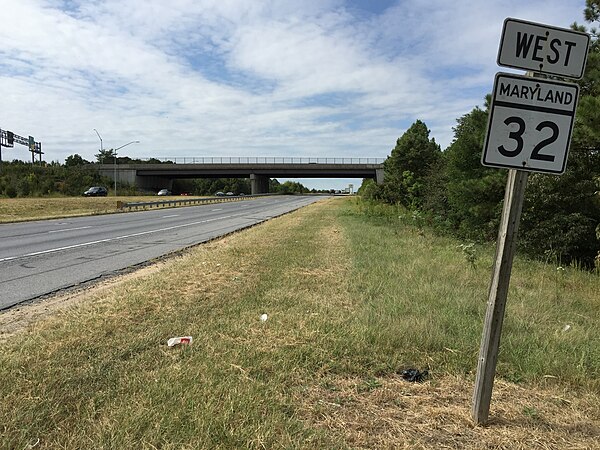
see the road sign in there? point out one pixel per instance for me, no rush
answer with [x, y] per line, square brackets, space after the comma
[543, 48]
[530, 124]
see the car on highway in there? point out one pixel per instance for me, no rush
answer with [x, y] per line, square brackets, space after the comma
[164, 192]
[96, 191]
[230, 193]
[220, 194]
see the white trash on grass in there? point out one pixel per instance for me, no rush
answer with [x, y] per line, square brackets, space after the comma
[179, 340]
[263, 317]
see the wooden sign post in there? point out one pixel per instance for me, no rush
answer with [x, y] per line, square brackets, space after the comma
[505, 249]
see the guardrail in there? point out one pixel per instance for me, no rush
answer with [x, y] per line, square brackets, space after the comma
[184, 202]
[263, 160]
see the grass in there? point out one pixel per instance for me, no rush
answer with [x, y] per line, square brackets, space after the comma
[21, 209]
[354, 295]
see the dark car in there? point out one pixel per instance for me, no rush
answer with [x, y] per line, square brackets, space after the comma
[96, 191]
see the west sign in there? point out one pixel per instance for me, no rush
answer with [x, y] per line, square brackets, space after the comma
[543, 48]
[530, 124]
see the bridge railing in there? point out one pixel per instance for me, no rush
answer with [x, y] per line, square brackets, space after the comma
[264, 160]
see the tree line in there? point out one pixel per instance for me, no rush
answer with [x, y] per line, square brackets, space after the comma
[454, 193]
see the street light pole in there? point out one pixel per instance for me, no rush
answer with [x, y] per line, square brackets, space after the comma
[101, 148]
[115, 155]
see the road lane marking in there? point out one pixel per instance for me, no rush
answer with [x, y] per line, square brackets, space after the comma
[172, 215]
[218, 209]
[100, 241]
[68, 229]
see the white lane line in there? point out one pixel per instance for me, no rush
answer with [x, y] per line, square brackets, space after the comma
[68, 229]
[218, 209]
[85, 244]
[171, 215]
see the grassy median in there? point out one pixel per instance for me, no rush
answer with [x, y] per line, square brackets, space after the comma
[23, 209]
[354, 295]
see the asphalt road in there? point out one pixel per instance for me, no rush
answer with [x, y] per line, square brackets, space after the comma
[42, 257]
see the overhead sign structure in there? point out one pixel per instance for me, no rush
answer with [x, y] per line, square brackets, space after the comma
[543, 48]
[530, 124]
[9, 139]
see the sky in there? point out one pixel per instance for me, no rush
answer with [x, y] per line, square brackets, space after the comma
[249, 78]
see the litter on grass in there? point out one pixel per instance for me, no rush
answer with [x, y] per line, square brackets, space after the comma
[414, 375]
[179, 340]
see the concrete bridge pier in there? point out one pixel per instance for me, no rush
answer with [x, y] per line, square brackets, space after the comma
[379, 176]
[259, 184]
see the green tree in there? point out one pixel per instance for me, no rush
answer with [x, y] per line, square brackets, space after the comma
[474, 193]
[105, 156]
[75, 160]
[291, 187]
[369, 189]
[408, 165]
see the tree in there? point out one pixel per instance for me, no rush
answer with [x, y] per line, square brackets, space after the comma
[408, 165]
[369, 189]
[291, 187]
[105, 156]
[474, 193]
[75, 160]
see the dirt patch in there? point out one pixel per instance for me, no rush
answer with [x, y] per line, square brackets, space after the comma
[393, 413]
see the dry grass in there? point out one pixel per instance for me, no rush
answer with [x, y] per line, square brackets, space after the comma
[386, 413]
[15, 320]
[23, 209]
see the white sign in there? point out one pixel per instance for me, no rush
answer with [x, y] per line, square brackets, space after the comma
[543, 48]
[530, 124]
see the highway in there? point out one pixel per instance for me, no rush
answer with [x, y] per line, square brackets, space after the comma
[42, 257]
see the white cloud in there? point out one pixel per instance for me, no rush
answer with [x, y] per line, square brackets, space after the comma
[232, 77]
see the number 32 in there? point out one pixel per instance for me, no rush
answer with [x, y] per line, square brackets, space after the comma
[517, 136]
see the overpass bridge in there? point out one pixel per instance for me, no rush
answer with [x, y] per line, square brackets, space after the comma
[154, 176]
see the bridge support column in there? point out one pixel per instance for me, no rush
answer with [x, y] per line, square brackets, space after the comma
[379, 173]
[259, 184]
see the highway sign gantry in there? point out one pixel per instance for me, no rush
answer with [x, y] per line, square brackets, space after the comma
[530, 124]
[543, 48]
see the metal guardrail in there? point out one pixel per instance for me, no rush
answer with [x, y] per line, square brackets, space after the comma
[264, 160]
[184, 202]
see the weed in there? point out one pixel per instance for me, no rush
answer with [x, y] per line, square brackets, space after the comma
[368, 385]
[531, 412]
[469, 252]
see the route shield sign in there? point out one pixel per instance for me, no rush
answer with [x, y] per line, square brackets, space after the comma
[543, 48]
[530, 124]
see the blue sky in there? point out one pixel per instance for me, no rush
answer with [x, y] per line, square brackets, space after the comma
[295, 78]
